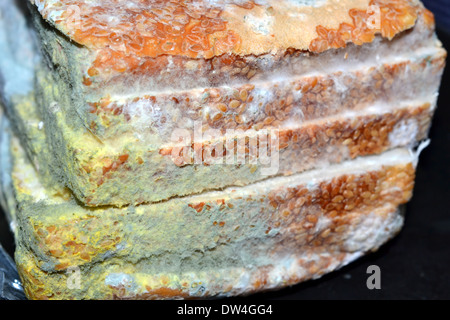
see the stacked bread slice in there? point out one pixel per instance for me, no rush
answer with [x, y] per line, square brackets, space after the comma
[210, 148]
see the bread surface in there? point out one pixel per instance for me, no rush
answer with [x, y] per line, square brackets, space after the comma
[96, 186]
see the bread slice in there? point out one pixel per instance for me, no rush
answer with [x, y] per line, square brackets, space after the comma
[240, 240]
[112, 128]
[328, 84]
[280, 102]
[127, 172]
[151, 46]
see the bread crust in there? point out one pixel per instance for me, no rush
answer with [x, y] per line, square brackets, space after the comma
[228, 27]
[151, 223]
[150, 36]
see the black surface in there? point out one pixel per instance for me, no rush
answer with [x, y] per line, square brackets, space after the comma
[416, 264]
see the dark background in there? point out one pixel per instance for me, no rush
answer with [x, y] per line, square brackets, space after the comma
[416, 264]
